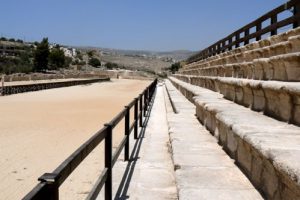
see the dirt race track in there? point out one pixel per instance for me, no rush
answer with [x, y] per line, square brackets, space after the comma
[39, 130]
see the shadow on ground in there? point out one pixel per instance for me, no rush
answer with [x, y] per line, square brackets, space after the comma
[121, 193]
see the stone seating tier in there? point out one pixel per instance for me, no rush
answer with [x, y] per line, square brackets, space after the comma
[287, 42]
[202, 169]
[284, 67]
[266, 149]
[280, 100]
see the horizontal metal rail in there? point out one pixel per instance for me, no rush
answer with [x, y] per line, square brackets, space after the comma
[119, 150]
[98, 185]
[48, 187]
[234, 40]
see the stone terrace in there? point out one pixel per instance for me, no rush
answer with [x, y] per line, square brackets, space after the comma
[249, 99]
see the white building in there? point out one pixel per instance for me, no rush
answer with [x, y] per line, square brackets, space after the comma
[70, 52]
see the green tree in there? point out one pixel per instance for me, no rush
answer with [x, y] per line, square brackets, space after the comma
[79, 55]
[3, 39]
[41, 55]
[20, 41]
[68, 61]
[175, 67]
[20, 64]
[82, 63]
[110, 65]
[90, 53]
[12, 40]
[95, 62]
[26, 62]
[56, 58]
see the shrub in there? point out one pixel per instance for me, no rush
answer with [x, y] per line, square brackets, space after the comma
[95, 62]
[110, 65]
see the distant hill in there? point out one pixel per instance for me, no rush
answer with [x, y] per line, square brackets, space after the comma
[176, 55]
[140, 59]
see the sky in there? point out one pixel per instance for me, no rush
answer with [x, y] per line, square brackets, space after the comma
[157, 25]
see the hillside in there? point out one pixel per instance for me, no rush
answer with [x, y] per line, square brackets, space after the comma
[142, 60]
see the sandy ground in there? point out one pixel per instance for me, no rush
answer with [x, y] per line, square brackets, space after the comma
[39, 130]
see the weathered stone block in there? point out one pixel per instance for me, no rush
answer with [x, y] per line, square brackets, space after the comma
[244, 157]
[248, 70]
[228, 71]
[296, 109]
[258, 68]
[278, 104]
[256, 168]
[259, 100]
[292, 66]
[222, 130]
[229, 92]
[232, 143]
[270, 180]
[248, 96]
[221, 71]
[239, 95]
[295, 43]
[239, 57]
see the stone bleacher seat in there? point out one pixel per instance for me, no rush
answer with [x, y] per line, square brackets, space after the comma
[249, 99]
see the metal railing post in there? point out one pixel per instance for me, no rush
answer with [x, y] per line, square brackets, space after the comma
[223, 46]
[148, 99]
[258, 28]
[52, 192]
[273, 21]
[297, 12]
[136, 118]
[2, 85]
[145, 101]
[218, 48]
[229, 43]
[127, 121]
[141, 110]
[108, 162]
[237, 39]
[246, 41]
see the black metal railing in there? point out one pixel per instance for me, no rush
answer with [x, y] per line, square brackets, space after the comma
[243, 35]
[48, 187]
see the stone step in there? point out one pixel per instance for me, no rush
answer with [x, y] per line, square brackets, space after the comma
[284, 67]
[267, 150]
[284, 47]
[287, 42]
[203, 169]
[280, 100]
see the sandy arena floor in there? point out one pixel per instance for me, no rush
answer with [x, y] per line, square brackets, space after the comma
[39, 130]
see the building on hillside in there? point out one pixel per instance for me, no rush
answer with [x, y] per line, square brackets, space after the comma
[69, 52]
